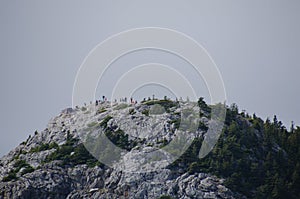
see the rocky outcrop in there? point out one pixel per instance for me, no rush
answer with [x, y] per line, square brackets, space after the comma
[80, 182]
[53, 163]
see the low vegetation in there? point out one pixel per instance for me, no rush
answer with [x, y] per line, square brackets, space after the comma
[44, 147]
[20, 166]
[101, 110]
[132, 111]
[146, 112]
[118, 137]
[71, 153]
[165, 103]
[121, 106]
[259, 159]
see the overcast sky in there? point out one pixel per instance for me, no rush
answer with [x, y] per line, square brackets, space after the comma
[255, 44]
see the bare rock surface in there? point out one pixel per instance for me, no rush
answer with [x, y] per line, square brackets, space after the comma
[37, 168]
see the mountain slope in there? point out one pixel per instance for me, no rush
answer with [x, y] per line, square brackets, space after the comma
[253, 158]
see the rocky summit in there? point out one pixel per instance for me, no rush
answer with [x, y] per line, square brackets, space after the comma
[59, 162]
[151, 150]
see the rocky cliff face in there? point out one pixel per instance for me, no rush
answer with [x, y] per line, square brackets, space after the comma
[55, 164]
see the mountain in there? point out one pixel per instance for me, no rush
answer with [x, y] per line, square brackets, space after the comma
[251, 159]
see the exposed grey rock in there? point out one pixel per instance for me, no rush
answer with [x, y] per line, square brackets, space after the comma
[55, 180]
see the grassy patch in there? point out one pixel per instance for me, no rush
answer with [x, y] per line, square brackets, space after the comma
[121, 106]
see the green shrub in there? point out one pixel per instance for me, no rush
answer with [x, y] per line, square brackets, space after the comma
[44, 147]
[80, 156]
[193, 168]
[17, 167]
[16, 157]
[53, 145]
[27, 169]
[131, 111]
[176, 122]
[11, 176]
[202, 126]
[145, 112]
[120, 139]
[203, 107]
[162, 142]
[23, 152]
[19, 164]
[105, 120]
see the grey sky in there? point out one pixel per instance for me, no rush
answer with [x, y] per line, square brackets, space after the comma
[255, 44]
